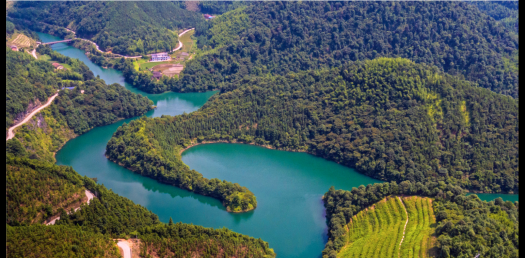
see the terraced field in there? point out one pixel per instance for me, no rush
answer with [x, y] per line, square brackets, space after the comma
[377, 231]
[22, 41]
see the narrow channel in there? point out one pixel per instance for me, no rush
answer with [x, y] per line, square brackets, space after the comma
[288, 186]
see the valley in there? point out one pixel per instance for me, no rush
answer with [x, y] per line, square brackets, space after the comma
[364, 130]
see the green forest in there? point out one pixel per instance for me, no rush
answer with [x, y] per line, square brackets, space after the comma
[57, 241]
[288, 37]
[128, 28]
[35, 192]
[88, 231]
[390, 119]
[30, 81]
[466, 226]
[38, 190]
[173, 240]
[421, 95]
[505, 12]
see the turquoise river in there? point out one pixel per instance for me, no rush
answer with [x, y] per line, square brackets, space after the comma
[290, 214]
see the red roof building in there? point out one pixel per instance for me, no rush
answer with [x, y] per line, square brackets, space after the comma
[57, 66]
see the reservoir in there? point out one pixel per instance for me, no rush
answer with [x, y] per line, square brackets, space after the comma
[288, 185]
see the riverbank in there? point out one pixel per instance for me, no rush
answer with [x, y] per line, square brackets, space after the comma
[165, 182]
[234, 141]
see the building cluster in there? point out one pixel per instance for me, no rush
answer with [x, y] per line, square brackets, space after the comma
[57, 66]
[160, 57]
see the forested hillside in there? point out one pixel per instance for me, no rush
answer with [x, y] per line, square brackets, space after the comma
[391, 119]
[108, 216]
[33, 196]
[506, 12]
[129, 28]
[57, 241]
[30, 81]
[174, 239]
[466, 226]
[285, 37]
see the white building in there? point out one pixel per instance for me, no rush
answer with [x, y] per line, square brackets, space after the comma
[159, 57]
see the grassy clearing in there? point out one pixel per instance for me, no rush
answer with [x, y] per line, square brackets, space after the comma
[377, 231]
[138, 62]
[187, 42]
[149, 65]
[465, 113]
[50, 60]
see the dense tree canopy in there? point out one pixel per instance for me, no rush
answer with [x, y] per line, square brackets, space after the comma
[130, 28]
[30, 82]
[506, 12]
[466, 226]
[183, 240]
[57, 241]
[35, 186]
[293, 36]
[35, 192]
[391, 119]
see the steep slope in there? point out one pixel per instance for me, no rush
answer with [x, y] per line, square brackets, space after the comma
[57, 241]
[108, 216]
[505, 12]
[391, 119]
[34, 196]
[465, 226]
[129, 28]
[88, 102]
[381, 230]
[283, 37]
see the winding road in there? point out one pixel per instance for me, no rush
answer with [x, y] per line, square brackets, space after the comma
[10, 132]
[180, 42]
[125, 248]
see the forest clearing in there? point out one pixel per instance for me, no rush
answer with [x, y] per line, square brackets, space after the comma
[169, 69]
[379, 230]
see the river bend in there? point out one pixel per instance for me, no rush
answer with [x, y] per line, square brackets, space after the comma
[288, 186]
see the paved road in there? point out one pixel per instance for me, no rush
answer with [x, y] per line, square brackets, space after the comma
[125, 247]
[180, 42]
[10, 132]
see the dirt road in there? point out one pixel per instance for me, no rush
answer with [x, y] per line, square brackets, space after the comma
[10, 132]
[34, 52]
[89, 195]
[125, 248]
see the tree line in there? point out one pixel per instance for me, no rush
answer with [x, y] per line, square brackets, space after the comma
[285, 37]
[466, 226]
[134, 150]
[89, 230]
[183, 240]
[390, 119]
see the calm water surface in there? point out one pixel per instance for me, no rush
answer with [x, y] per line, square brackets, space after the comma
[288, 186]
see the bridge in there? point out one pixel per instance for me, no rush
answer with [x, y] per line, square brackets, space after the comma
[56, 42]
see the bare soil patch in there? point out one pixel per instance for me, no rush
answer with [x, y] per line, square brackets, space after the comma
[169, 69]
